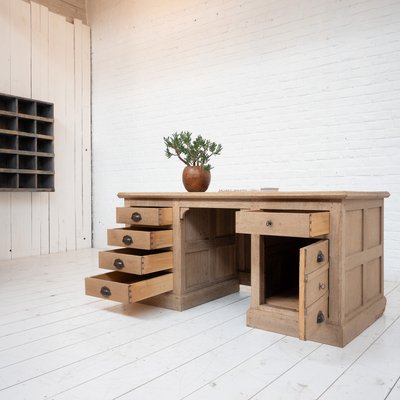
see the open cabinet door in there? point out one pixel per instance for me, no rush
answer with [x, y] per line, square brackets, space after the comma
[313, 287]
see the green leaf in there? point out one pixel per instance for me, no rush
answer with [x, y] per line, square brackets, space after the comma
[197, 151]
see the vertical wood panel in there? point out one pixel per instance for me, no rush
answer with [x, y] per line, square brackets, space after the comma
[44, 91]
[57, 96]
[78, 134]
[70, 138]
[35, 224]
[5, 46]
[20, 49]
[36, 65]
[39, 64]
[21, 203]
[86, 140]
[5, 80]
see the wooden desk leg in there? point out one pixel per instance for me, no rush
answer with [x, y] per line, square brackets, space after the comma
[257, 271]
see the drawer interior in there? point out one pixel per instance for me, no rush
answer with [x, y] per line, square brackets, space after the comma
[144, 228]
[121, 277]
[128, 288]
[137, 252]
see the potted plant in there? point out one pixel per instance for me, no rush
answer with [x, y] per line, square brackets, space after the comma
[195, 154]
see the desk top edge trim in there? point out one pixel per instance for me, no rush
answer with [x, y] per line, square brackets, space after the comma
[254, 195]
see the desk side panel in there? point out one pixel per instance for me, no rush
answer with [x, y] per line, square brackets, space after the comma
[363, 260]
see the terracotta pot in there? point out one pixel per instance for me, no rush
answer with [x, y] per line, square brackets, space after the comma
[196, 179]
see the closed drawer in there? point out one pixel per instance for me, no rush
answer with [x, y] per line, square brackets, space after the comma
[314, 318]
[136, 261]
[316, 285]
[144, 216]
[127, 288]
[290, 223]
[315, 256]
[140, 239]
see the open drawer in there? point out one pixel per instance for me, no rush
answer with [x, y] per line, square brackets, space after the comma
[288, 223]
[153, 216]
[127, 288]
[136, 261]
[148, 239]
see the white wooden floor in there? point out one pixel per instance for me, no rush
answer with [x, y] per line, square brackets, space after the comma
[57, 343]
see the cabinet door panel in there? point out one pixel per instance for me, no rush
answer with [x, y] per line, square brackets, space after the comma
[313, 287]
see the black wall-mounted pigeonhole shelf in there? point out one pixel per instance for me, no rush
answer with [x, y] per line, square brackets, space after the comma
[26, 145]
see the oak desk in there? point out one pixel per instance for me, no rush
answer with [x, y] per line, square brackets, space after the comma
[314, 259]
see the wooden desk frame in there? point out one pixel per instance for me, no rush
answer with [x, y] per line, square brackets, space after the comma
[355, 238]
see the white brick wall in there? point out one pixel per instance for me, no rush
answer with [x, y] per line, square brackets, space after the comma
[303, 95]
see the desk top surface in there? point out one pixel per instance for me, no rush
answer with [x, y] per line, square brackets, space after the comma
[252, 195]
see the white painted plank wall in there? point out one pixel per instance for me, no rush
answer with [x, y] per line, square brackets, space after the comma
[40, 59]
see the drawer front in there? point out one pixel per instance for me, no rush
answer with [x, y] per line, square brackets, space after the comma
[135, 239]
[296, 223]
[144, 216]
[126, 288]
[134, 261]
[316, 285]
[109, 286]
[315, 317]
[316, 256]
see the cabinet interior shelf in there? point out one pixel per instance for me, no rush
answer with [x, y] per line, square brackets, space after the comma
[25, 116]
[26, 144]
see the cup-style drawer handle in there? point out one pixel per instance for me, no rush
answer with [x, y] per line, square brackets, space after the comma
[118, 263]
[320, 317]
[136, 217]
[127, 240]
[269, 223]
[105, 291]
[320, 256]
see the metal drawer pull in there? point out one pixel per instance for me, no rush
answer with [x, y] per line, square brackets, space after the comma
[119, 264]
[320, 256]
[127, 240]
[268, 223]
[322, 286]
[136, 217]
[105, 291]
[320, 317]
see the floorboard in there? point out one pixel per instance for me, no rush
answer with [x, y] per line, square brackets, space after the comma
[57, 343]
